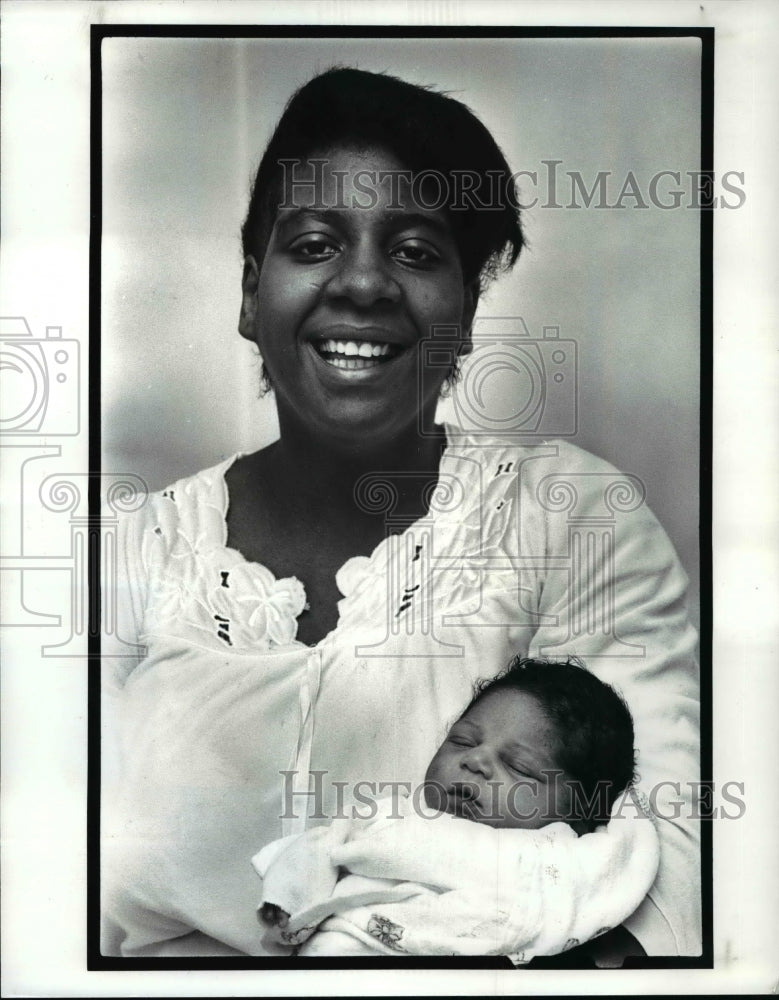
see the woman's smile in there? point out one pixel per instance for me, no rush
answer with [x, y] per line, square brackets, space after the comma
[347, 291]
[356, 349]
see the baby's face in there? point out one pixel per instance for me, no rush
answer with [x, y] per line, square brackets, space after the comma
[497, 765]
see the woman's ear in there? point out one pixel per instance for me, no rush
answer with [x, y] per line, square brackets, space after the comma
[249, 305]
[470, 302]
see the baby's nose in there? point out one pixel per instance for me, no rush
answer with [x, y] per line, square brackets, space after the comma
[478, 762]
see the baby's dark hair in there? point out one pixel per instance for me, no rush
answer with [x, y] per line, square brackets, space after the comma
[425, 130]
[593, 723]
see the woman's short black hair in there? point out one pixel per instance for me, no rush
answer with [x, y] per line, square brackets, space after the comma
[594, 728]
[426, 131]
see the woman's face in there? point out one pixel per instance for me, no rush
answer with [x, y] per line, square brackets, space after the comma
[354, 278]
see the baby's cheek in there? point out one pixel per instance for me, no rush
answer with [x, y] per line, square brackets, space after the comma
[521, 805]
[435, 784]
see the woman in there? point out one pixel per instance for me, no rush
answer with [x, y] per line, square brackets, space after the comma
[315, 614]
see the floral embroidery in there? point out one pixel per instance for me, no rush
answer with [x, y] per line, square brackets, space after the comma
[386, 931]
[445, 560]
[570, 943]
[351, 574]
[408, 597]
[249, 607]
[260, 608]
[298, 936]
[214, 590]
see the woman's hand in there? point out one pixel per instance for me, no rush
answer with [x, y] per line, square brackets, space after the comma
[608, 951]
[273, 916]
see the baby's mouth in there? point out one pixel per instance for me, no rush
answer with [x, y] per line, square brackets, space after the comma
[354, 355]
[460, 802]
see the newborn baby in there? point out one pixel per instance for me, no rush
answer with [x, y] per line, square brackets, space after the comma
[526, 840]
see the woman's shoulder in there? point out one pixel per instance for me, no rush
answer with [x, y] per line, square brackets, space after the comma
[200, 485]
[554, 480]
[534, 460]
[192, 506]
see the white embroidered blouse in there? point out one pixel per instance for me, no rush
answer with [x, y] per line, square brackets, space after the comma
[222, 732]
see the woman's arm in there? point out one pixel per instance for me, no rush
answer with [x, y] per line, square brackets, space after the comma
[612, 592]
[123, 595]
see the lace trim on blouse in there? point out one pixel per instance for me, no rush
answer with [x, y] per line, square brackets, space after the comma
[200, 583]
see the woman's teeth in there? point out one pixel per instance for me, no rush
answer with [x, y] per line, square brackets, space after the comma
[352, 349]
[352, 355]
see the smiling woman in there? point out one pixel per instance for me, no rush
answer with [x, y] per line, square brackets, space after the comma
[315, 613]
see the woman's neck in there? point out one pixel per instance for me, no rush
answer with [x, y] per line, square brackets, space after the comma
[334, 480]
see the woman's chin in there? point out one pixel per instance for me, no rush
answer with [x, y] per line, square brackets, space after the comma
[355, 423]
[375, 405]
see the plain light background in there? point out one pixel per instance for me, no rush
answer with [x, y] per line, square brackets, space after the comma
[185, 122]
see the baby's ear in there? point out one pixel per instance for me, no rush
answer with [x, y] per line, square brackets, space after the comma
[249, 304]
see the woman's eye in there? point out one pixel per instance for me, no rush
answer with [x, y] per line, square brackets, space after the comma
[313, 247]
[416, 254]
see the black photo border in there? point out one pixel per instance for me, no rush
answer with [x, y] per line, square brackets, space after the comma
[96, 961]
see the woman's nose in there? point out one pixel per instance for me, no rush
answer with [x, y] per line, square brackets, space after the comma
[477, 761]
[364, 276]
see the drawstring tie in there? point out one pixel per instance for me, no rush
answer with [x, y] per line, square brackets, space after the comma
[300, 764]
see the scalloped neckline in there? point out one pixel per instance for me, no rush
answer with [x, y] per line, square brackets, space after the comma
[220, 472]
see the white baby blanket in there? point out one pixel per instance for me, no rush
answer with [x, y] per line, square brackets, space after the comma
[404, 883]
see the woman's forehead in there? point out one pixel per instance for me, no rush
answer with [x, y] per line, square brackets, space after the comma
[322, 177]
[350, 156]
[369, 178]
